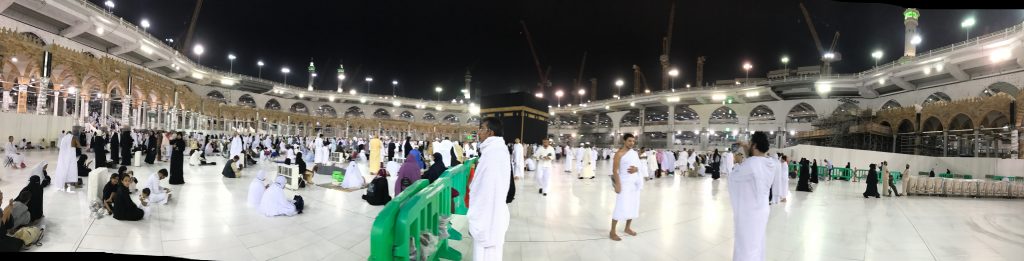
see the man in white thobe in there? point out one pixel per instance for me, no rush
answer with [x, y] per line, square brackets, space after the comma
[235, 149]
[749, 187]
[587, 164]
[579, 158]
[318, 145]
[728, 162]
[780, 189]
[66, 171]
[518, 161]
[445, 148]
[544, 155]
[12, 152]
[157, 194]
[568, 160]
[488, 213]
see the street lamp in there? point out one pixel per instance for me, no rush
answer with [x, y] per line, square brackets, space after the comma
[618, 88]
[581, 92]
[785, 63]
[144, 24]
[746, 68]
[877, 54]
[672, 84]
[394, 88]
[198, 50]
[967, 24]
[109, 4]
[369, 80]
[285, 71]
[259, 73]
[438, 91]
[231, 63]
[558, 95]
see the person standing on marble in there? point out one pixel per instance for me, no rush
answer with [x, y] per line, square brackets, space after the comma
[319, 155]
[66, 171]
[587, 162]
[126, 147]
[749, 187]
[567, 163]
[518, 159]
[578, 156]
[803, 182]
[872, 183]
[814, 171]
[99, 149]
[884, 170]
[165, 140]
[715, 164]
[627, 185]
[488, 213]
[544, 156]
[391, 149]
[375, 153]
[177, 160]
[12, 152]
[152, 149]
[907, 178]
[115, 148]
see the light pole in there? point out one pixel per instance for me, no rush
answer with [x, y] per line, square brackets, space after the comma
[285, 71]
[259, 72]
[877, 54]
[394, 88]
[438, 91]
[558, 97]
[341, 76]
[369, 80]
[198, 50]
[618, 88]
[231, 63]
[581, 92]
[672, 84]
[746, 69]
[109, 4]
[145, 24]
[785, 66]
[967, 24]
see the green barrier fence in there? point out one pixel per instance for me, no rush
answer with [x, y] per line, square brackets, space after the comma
[418, 210]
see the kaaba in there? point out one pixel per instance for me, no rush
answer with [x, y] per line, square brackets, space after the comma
[522, 115]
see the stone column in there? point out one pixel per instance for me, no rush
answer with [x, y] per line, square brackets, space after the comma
[41, 96]
[616, 118]
[976, 141]
[126, 108]
[670, 136]
[945, 143]
[105, 110]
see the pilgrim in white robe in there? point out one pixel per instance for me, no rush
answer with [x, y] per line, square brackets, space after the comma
[236, 150]
[518, 163]
[728, 162]
[256, 189]
[588, 158]
[780, 189]
[652, 163]
[67, 164]
[353, 177]
[320, 153]
[157, 194]
[488, 213]
[274, 201]
[627, 201]
[544, 157]
[668, 161]
[568, 160]
[12, 152]
[531, 164]
[748, 192]
[579, 158]
[445, 149]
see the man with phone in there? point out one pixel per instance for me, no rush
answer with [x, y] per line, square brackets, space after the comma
[544, 155]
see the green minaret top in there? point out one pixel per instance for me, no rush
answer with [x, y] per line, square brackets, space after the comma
[341, 69]
[911, 13]
[311, 67]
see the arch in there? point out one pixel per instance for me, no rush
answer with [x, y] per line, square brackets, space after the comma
[632, 118]
[847, 108]
[247, 101]
[326, 110]
[961, 122]
[685, 113]
[891, 104]
[566, 119]
[381, 114]
[1000, 87]
[451, 118]
[762, 113]
[299, 107]
[994, 119]
[272, 104]
[354, 111]
[429, 117]
[906, 126]
[474, 120]
[32, 37]
[932, 124]
[656, 116]
[802, 112]
[724, 115]
[936, 97]
[406, 115]
[216, 95]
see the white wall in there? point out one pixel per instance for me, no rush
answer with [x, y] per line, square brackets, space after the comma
[33, 127]
[979, 167]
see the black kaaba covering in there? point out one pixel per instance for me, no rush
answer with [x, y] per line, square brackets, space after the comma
[522, 115]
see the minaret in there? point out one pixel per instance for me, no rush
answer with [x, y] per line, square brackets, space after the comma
[910, 17]
[341, 75]
[469, 78]
[312, 73]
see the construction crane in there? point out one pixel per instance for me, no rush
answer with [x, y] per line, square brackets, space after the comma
[700, 71]
[536, 61]
[578, 82]
[666, 46]
[191, 26]
[639, 80]
[826, 57]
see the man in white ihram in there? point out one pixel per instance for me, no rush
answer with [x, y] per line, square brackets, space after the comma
[749, 186]
[488, 213]
[518, 162]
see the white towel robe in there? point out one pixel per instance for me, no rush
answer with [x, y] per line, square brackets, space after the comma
[12, 152]
[256, 189]
[587, 160]
[488, 213]
[236, 149]
[518, 160]
[274, 203]
[748, 192]
[67, 168]
[156, 193]
[668, 161]
[320, 156]
[627, 201]
[353, 177]
[579, 159]
[568, 160]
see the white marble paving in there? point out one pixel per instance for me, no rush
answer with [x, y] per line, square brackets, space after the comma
[681, 219]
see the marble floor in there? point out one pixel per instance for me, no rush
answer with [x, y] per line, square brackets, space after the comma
[681, 219]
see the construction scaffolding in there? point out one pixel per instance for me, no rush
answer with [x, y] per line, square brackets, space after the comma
[853, 130]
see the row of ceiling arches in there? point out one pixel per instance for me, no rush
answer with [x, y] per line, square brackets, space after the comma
[328, 110]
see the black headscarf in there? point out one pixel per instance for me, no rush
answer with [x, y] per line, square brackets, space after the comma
[435, 170]
[124, 207]
[35, 205]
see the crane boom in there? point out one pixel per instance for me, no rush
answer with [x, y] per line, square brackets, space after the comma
[834, 40]
[810, 26]
[536, 61]
[666, 47]
[578, 82]
[191, 26]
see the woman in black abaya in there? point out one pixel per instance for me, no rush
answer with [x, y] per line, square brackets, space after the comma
[872, 182]
[177, 160]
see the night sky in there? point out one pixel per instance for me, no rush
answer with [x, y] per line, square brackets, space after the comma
[427, 43]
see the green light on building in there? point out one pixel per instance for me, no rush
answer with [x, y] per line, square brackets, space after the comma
[911, 13]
